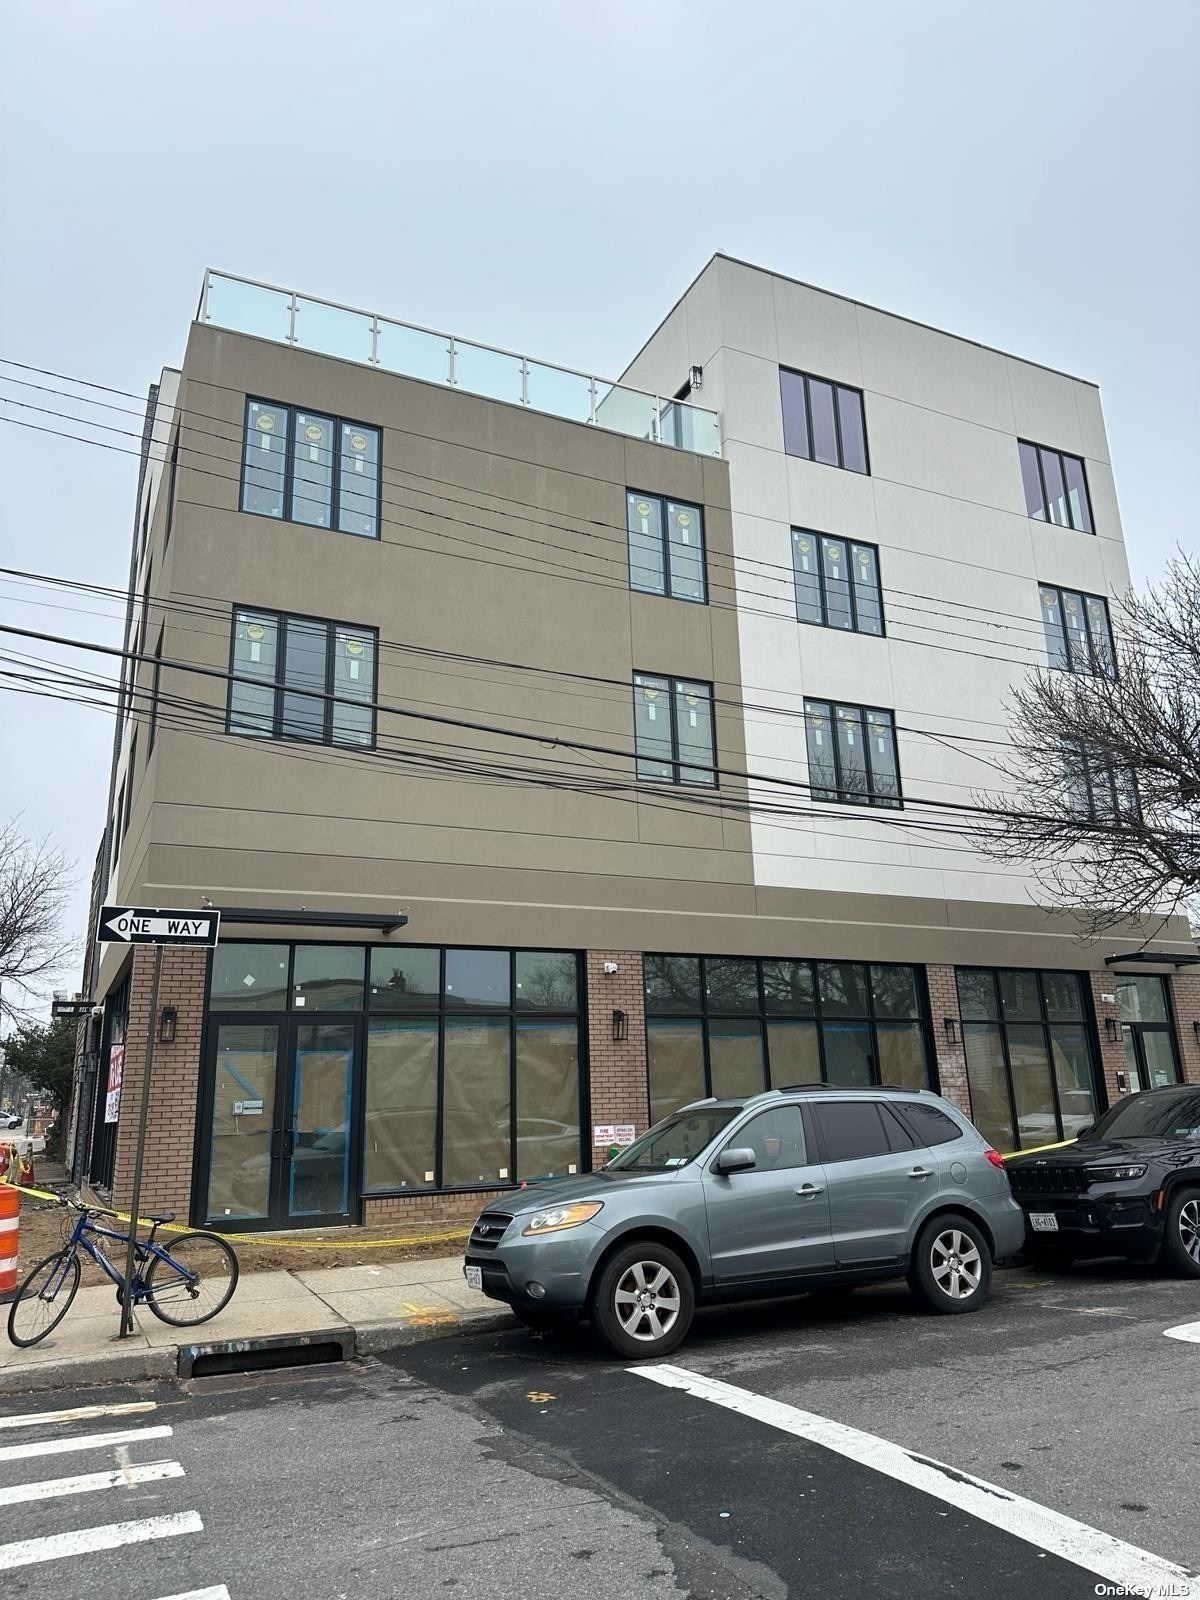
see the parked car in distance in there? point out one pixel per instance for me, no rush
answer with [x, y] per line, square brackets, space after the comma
[1128, 1186]
[782, 1192]
[11, 1120]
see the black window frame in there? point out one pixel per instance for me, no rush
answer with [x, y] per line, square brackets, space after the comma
[128, 786]
[1085, 1020]
[276, 735]
[289, 460]
[851, 545]
[809, 378]
[707, 1012]
[1138, 1029]
[172, 474]
[667, 592]
[1040, 450]
[1096, 667]
[841, 795]
[155, 679]
[1104, 800]
[675, 781]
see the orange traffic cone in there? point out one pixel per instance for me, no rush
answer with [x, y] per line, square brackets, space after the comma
[10, 1218]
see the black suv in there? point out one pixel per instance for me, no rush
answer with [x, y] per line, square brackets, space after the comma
[1129, 1186]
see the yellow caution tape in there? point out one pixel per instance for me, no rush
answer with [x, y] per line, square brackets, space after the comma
[290, 1239]
[1034, 1148]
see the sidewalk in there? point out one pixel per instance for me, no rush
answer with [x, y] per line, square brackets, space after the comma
[365, 1309]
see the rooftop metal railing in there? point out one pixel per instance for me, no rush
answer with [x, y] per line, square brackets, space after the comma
[267, 312]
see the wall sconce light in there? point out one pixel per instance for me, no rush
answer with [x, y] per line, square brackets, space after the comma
[1111, 1032]
[951, 1025]
[168, 1017]
[620, 1026]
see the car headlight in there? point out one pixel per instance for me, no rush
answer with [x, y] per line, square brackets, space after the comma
[1115, 1174]
[557, 1218]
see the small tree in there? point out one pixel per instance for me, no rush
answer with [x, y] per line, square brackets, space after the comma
[1104, 797]
[34, 888]
[45, 1055]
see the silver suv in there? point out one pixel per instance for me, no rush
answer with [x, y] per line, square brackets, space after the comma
[738, 1199]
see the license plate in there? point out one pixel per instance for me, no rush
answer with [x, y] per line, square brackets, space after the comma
[474, 1277]
[1043, 1222]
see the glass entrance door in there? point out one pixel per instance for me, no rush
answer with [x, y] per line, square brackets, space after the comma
[282, 1150]
[317, 1135]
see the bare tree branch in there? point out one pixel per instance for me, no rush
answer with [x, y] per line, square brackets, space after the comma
[35, 885]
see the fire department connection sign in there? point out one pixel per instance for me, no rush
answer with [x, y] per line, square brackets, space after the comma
[146, 925]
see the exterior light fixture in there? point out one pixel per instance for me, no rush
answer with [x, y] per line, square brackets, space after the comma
[951, 1025]
[1112, 1032]
[620, 1026]
[168, 1018]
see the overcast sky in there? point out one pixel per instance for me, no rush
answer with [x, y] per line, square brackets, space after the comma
[549, 178]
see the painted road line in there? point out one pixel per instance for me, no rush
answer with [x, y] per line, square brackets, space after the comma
[82, 1441]
[52, 1488]
[36, 1419]
[217, 1592]
[1109, 1558]
[1190, 1331]
[54, 1546]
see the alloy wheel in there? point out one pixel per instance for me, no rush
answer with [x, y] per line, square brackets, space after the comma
[1189, 1228]
[956, 1264]
[647, 1301]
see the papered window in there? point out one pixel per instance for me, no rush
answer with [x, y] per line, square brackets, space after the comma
[306, 467]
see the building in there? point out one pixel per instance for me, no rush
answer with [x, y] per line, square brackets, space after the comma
[561, 750]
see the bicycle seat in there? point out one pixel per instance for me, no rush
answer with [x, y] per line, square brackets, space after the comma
[160, 1216]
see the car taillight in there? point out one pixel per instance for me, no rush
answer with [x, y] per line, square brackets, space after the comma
[994, 1157]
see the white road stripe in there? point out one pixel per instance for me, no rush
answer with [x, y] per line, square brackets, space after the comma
[1190, 1331]
[81, 1441]
[1109, 1558]
[52, 1488]
[52, 1547]
[217, 1592]
[36, 1419]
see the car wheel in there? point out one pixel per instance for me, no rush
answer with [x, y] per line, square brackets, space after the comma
[951, 1268]
[1181, 1239]
[642, 1301]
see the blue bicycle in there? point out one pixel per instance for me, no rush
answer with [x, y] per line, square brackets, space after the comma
[184, 1285]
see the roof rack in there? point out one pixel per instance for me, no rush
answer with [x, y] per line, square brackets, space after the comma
[843, 1088]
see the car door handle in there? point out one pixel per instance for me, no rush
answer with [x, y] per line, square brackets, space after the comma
[920, 1172]
[806, 1190]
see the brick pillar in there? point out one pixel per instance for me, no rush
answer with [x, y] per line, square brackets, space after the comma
[167, 1172]
[617, 1070]
[951, 1057]
[1112, 1051]
[1185, 1002]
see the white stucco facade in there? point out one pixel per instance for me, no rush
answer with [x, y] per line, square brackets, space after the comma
[960, 559]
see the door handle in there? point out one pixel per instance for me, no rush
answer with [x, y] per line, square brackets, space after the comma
[807, 1190]
[920, 1172]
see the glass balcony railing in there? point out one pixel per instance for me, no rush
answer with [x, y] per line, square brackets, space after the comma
[244, 306]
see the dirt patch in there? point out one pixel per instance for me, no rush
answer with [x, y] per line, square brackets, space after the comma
[44, 1227]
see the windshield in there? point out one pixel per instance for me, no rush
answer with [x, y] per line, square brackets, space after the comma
[675, 1141]
[1174, 1116]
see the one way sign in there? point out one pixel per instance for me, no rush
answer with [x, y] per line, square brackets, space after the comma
[152, 925]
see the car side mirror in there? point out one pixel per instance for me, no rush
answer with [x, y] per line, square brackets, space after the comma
[1086, 1132]
[735, 1161]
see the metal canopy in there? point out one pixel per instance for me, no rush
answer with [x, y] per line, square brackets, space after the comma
[1152, 958]
[387, 923]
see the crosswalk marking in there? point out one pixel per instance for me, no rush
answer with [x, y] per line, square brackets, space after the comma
[35, 1419]
[110, 1536]
[1132, 1570]
[81, 1441]
[53, 1488]
[217, 1592]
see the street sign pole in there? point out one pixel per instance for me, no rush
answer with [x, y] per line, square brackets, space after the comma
[143, 1119]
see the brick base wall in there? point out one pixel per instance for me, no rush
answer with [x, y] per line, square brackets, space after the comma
[951, 1056]
[429, 1213]
[174, 1083]
[617, 1069]
[1185, 1001]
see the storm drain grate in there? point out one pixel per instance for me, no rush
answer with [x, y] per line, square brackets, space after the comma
[264, 1355]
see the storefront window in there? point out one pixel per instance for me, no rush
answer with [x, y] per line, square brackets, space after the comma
[1030, 1064]
[249, 977]
[328, 977]
[733, 1026]
[1151, 1058]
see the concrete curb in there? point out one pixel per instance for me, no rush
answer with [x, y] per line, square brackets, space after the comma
[178, 1361]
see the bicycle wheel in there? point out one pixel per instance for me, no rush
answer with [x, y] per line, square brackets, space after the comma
[44, 1299]
[194, 1281]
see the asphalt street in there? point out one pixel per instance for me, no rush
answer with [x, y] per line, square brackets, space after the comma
[824, 1446]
